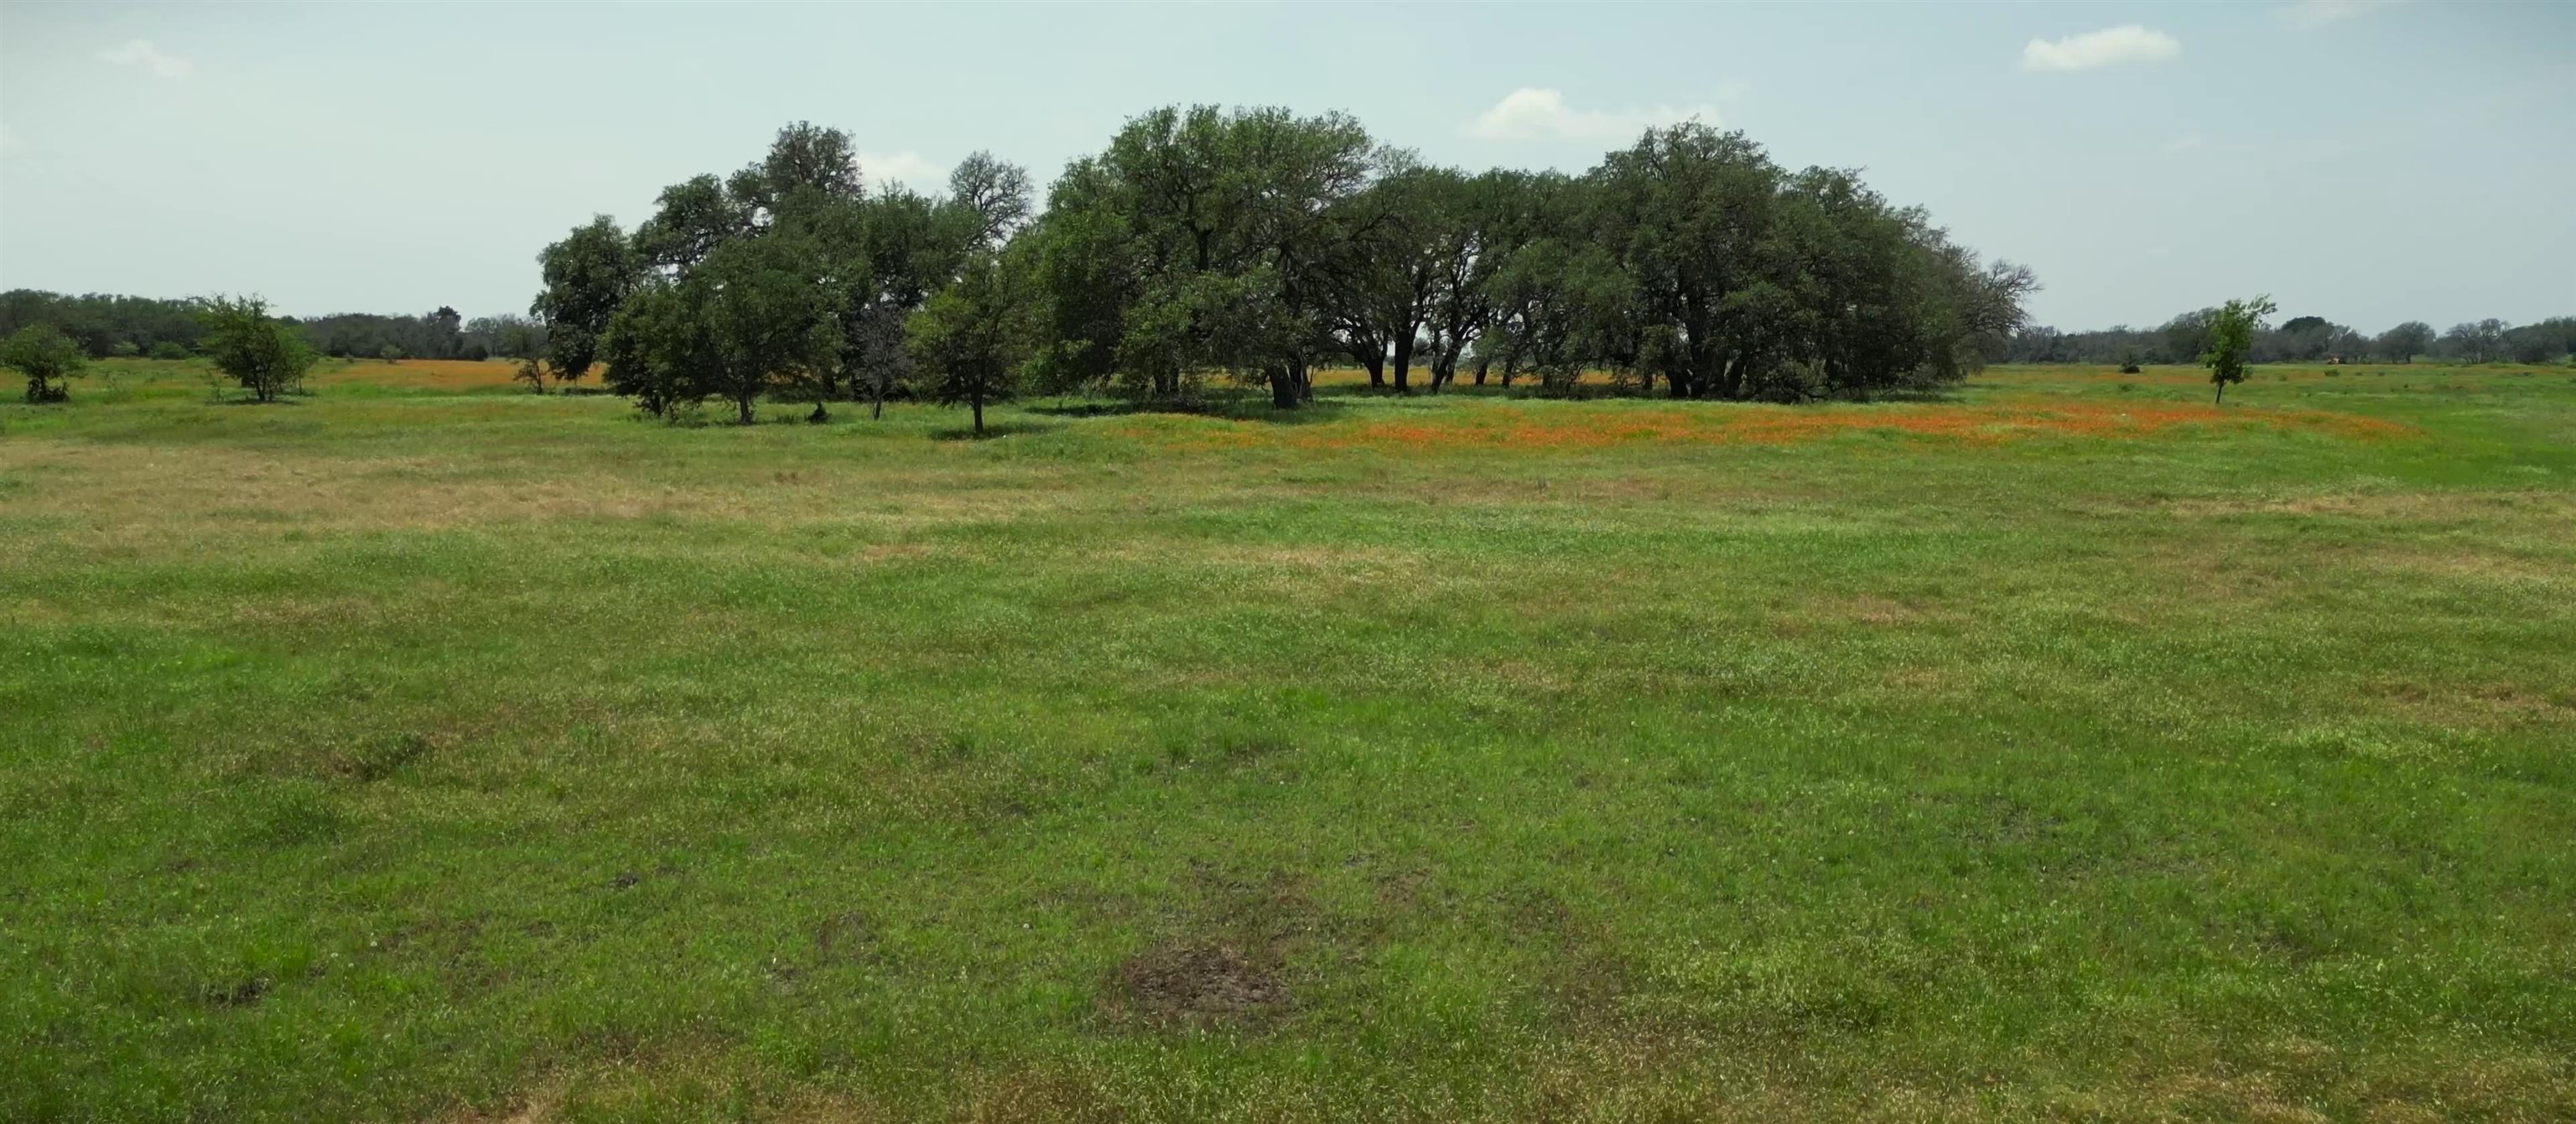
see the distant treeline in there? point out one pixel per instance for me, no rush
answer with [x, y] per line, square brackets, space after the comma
[2302, 339]
[107, 325]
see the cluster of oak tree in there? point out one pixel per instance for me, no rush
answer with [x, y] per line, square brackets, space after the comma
[1261, 245]
[2301, 339]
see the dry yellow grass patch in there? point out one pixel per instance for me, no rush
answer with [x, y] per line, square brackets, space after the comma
[2439, 506]
[175, 498]
[421, 374]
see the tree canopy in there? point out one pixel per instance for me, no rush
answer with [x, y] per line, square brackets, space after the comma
[1257, 244]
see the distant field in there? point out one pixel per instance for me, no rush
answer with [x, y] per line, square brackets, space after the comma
[2061, 747]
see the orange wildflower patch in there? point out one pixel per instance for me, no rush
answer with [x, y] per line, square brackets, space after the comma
[1580, 428]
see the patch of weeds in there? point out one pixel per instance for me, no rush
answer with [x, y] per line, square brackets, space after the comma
[302, 815]
[244, 992]
[380, 758]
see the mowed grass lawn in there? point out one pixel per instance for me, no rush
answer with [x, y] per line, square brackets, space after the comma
[2061, 748]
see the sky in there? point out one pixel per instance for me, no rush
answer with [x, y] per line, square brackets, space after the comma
[2361, 160]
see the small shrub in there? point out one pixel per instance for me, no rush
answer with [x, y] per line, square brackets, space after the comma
[266, 357]
[390, 354]
[2128, 368]
[168, 349]
[125, 349]
[46, 357]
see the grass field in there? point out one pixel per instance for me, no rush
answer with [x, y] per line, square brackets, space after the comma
[2061, 748]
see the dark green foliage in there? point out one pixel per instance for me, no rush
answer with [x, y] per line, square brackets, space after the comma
[970, 343]
[168, 349]
[2475, 341]
[267, 357]
[752, 317]
[98, 322]
[1204, 241]
[587, 275]
[2549, 341]
[786, 277]
[1256, 243]
[2405, 341]
[652, 349]
[45, 356]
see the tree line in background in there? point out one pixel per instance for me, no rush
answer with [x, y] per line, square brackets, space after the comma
[106, 326]
[1260, 245]
[2301, 339]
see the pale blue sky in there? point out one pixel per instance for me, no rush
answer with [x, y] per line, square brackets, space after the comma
[2363, 161]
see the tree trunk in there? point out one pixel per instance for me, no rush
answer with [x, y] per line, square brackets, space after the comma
[876, 407]
[1482, 362]
[976, 399]
[2221, 396]
[742, 406]
[1283, 388]
[1376, 363]
[1404, 365]
[1734, 386]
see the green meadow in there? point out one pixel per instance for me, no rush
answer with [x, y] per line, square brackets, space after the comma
[2057, 748]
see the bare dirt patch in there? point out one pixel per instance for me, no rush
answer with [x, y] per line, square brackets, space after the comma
[1200, 985]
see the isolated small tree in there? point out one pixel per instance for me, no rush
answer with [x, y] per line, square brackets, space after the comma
[2231, 339]
[266, 357]
[390, 354]
[970, 344]
[46, 357]
[168, 349]
[519, 341]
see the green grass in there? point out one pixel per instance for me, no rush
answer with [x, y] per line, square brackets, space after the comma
[410, 754]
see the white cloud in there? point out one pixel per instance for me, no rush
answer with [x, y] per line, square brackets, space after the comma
[908, 168]
[2107, 47]
[2182, 144]
[1538, 113]
[2318, 13]
[140, 53]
